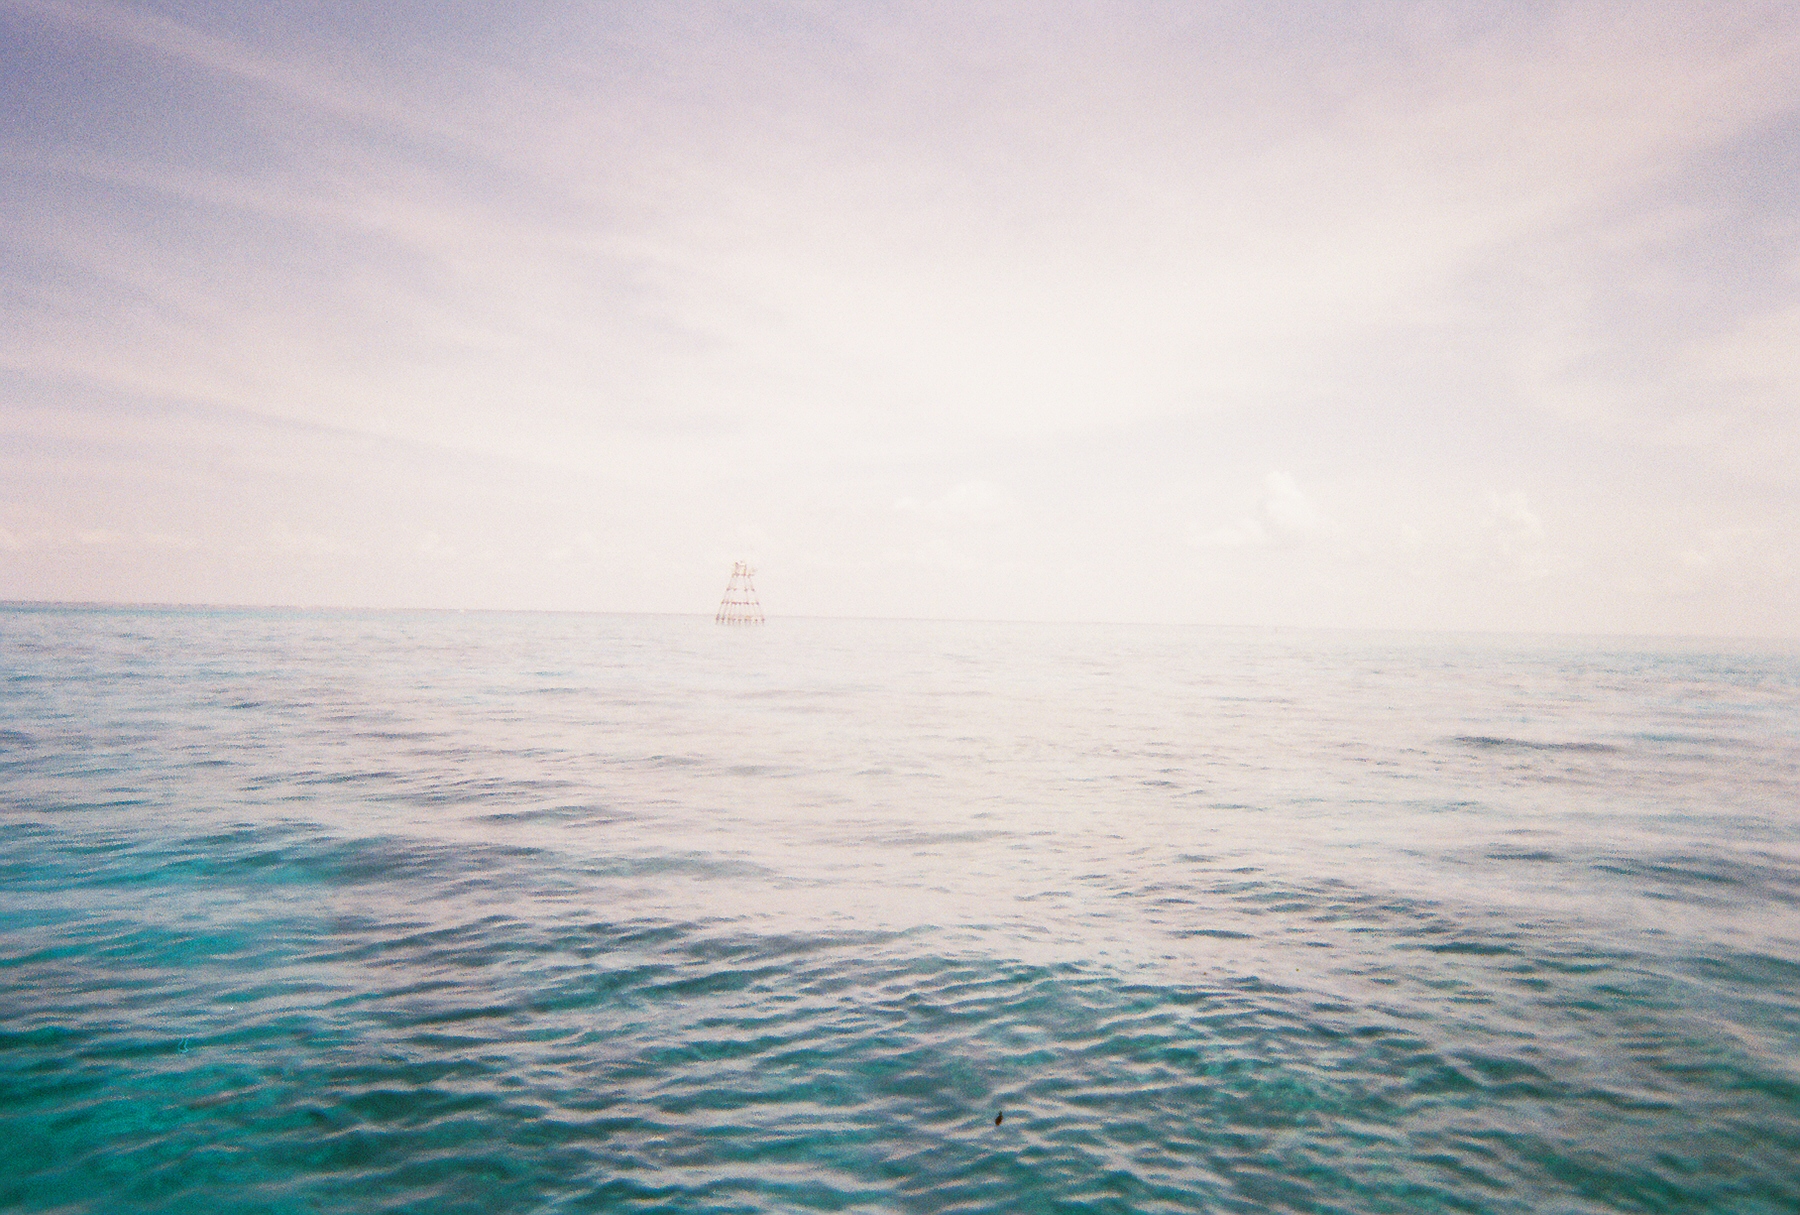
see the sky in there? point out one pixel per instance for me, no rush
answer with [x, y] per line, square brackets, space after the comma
[1359, 315]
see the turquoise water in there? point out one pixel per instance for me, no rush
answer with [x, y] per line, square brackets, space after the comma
[442, 913]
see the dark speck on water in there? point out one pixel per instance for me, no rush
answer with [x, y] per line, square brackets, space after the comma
[314, 911]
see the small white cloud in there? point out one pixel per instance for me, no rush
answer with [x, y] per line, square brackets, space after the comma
[1516, 539]
[28, 528]
[1285, 517]
[582, 546]
[1759, 350]
[1290, 513]
[288, 542]
[1512, 515]
[432, 545]
[1730, 556]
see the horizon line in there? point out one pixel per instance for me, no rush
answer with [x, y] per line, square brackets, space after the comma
[347, 609]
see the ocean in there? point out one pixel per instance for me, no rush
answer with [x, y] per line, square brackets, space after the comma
[440, 912]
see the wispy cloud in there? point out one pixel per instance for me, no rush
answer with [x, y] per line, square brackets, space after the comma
[308, 84]
[1517, 537]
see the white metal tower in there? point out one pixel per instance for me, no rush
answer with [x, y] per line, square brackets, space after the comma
[739, 605]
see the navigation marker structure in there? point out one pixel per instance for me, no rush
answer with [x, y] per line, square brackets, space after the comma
[739, 605]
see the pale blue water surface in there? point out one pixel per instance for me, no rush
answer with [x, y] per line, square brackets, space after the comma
[307, 911]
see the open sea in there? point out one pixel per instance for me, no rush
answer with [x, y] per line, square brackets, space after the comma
[434, 912]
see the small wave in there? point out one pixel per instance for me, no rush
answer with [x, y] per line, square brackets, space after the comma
[1476, 948]
[652, 865]
[477, 790]
[585, 813]
[934, 839]
[1488, 742]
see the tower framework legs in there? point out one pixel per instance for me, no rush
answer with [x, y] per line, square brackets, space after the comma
[740, 605]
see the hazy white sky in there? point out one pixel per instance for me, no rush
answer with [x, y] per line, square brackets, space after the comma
[1414, 315]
